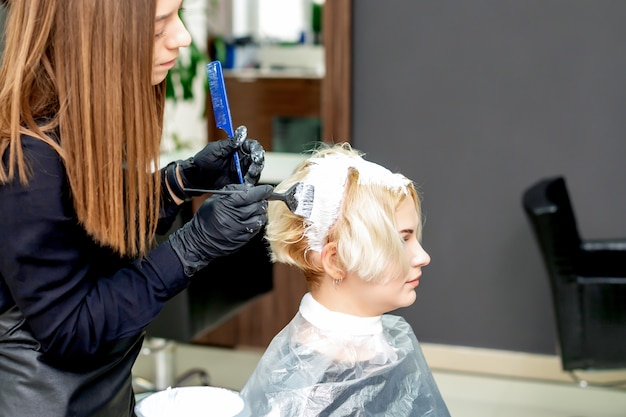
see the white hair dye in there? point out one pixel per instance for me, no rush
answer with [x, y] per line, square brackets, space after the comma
[328, 175]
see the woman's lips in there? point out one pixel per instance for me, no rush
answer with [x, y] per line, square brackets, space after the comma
[169, 64]
[414, 282]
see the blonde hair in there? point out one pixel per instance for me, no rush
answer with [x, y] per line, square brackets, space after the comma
[81, 70]
[365, 231]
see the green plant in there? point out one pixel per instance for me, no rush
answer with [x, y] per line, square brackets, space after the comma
[179, 80]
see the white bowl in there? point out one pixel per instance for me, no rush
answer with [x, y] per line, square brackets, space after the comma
[193, 402]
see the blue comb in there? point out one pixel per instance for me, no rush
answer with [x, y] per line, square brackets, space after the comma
[221, 110]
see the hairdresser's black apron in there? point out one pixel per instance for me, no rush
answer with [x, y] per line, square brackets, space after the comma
[30, 387]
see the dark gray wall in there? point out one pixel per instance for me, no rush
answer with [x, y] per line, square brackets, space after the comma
[475, 100]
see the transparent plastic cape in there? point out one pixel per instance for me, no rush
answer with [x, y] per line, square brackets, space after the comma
[344, 368]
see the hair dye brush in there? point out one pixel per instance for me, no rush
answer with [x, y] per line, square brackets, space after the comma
[298, 198]
[221, 110]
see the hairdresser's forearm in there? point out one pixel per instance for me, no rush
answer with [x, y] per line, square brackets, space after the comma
[115, 308]
[79, 314]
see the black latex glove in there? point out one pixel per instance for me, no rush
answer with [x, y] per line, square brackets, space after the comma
[221, 226]
[214, 166]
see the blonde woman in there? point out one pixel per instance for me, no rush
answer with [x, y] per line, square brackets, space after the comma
[81, 198]
[360, 252]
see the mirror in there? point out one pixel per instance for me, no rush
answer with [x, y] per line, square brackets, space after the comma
[336, 24]
[278, 21]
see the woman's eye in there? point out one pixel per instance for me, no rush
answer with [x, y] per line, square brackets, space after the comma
[160, 30]
[408, 235]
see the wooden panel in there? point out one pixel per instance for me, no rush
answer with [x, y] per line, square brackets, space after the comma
[337, 85]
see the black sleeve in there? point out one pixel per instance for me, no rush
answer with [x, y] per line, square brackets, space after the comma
[78, 298]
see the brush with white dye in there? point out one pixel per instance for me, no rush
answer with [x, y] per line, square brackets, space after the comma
[298, 198]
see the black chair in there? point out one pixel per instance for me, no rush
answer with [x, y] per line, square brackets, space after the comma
[588, 281]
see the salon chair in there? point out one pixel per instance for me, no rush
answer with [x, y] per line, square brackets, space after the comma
[215, 294]
[587, 278]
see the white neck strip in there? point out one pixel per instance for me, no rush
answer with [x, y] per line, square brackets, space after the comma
[331, 321]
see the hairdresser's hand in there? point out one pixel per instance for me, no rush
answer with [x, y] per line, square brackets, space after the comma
[214, 166]
[221, 226]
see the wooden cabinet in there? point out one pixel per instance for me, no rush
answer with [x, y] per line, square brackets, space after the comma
[256, 99]
[261, 319]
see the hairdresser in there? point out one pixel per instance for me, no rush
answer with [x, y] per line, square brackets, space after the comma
[82, 91]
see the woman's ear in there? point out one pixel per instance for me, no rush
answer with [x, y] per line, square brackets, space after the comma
[330, 262]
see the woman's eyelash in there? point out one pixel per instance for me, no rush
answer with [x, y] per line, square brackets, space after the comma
[181, 11]
[162, 33]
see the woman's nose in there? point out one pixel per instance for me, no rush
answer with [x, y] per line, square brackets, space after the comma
[420, 257]
[180, 37]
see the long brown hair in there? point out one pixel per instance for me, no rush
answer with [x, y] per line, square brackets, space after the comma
[83, 68]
